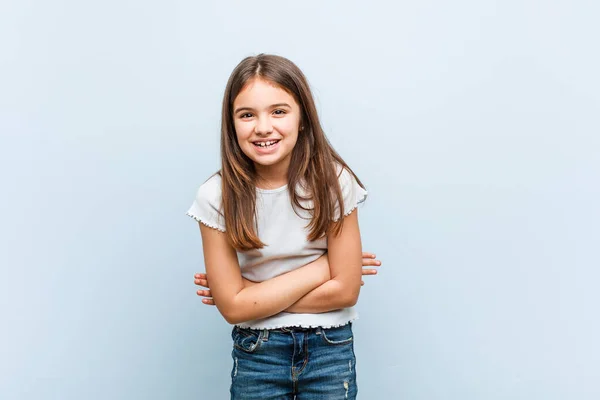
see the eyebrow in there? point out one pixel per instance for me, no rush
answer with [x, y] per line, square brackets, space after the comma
[271, 106]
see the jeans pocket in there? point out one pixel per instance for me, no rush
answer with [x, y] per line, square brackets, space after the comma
[337, 336]
[246, 340]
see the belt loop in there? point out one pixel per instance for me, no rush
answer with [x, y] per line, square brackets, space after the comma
[318, 330]
[265, 337]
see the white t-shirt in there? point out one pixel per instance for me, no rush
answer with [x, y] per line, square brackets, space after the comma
[285, 234]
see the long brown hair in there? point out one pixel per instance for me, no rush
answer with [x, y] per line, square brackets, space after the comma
[312, 162]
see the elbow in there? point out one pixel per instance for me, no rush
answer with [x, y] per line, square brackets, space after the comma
[232, 320]
[232, 317]
[346, 293]
[233, 314]
[236, 313]
[354, 300]
[230, 314]
[351, 297]
[350, 301]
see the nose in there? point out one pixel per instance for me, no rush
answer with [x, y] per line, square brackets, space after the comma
[263, 126]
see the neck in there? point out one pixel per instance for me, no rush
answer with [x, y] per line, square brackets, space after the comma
[272, 176]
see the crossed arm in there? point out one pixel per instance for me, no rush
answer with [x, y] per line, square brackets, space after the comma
[331, 282]
[369, 263]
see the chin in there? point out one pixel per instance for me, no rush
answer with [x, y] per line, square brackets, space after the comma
[266, 162]
[266, 159]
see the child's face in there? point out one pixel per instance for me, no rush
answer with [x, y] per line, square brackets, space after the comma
[266, 120]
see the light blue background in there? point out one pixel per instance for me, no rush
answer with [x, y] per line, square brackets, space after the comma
[474, 125]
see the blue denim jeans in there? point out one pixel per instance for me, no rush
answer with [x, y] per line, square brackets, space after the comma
[293, 363]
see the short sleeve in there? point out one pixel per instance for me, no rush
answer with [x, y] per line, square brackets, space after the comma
[352, 193]
[207, 204]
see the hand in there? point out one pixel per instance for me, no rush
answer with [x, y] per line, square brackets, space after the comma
[369, 260]
[201, 279]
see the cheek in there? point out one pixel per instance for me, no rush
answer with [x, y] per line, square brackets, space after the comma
[241, 131]
[289, 127]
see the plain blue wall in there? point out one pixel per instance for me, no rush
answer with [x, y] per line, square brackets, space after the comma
[474, 125]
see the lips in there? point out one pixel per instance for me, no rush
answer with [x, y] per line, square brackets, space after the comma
[272, 146]
[266, 143]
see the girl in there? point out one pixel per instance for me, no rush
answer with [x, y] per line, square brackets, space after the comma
[281, 240]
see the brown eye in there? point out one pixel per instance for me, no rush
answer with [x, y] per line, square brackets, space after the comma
[279, 112]
[246, 115]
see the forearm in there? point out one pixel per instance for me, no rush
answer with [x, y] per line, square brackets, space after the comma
[344, 262]
[270, 297]
[330, 296]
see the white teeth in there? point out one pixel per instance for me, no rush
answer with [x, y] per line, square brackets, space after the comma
[266, 144]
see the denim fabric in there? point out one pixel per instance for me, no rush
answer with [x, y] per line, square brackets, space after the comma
[293, 363]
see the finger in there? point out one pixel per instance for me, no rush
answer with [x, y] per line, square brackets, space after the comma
[200, 276]
[368, 255]
[371, 262]
[362, 283]
[204, 293]
[208, 302]
[201, 282]
[369, 272]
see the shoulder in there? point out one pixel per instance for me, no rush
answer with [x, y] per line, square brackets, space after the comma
[210, 190]
[346, 178]
[206, 207]
[353, 193]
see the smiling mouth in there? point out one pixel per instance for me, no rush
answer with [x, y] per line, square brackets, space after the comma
[267, 144]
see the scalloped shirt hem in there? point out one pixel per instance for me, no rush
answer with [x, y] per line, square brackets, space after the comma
[332, 319]
[203, 221]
